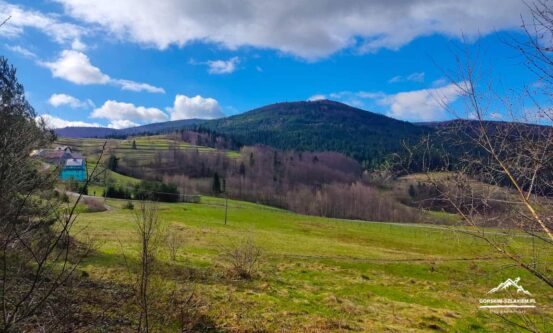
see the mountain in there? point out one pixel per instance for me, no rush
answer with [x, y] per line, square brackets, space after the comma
[85, 132]
[322, 125]
[102, 132]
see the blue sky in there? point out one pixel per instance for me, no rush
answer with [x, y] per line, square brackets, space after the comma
[125, 63]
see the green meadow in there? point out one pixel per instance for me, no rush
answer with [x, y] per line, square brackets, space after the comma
[146, 147]
[315, 274]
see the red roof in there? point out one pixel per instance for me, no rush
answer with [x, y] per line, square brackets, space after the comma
[51, 154]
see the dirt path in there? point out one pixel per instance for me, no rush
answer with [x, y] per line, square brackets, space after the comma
[84, 196]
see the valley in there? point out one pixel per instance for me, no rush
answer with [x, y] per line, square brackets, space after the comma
[313, 273]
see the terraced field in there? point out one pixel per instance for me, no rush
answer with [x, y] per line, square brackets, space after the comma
[146, 146]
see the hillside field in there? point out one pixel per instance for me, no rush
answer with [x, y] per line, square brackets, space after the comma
[316, 274]
[146, 146]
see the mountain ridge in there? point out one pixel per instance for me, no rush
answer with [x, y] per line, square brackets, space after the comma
[103, 132]
[322, 125]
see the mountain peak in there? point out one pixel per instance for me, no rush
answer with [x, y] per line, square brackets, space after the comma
[322, 125]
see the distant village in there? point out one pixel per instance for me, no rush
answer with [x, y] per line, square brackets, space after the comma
[72, 164]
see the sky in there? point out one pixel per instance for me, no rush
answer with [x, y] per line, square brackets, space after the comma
[130, 62]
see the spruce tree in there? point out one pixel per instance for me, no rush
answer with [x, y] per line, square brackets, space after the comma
[216, 185]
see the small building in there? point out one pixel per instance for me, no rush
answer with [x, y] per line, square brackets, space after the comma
[71, 164]
[66, 149]
[52, 156]
[74, 168]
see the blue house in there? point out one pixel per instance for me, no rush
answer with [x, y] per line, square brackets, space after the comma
[74, 168]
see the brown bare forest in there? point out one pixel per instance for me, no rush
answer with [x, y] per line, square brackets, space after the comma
[317, 183]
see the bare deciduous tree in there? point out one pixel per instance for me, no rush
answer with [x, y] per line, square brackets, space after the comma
[499, 172]
[149, 230]
[174, 242]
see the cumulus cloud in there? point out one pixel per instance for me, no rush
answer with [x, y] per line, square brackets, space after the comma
[49, 24]
[120, 111]
[55, 122]
[57, 100]
[75, 66]
[22, 51]
[413, 77]
[222, 66]
[309, 29]
[421, 105]
[78, 45]
[118, 124]
[196, 107]
[416, 105]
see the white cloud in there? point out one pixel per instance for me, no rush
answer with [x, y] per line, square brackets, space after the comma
[196, 107]
[118, 124]
[222, 66]
[413, 77]
[75, 66]
[306, 28]
[440, 82]
[421, 105]
[496, 115]
[55, 122]
[355, 99]
[416, 105]
[137, 86]
[113, 110]
[78, 45]
[57, 100]
[49, 24]
[318, 97]
[22, 51]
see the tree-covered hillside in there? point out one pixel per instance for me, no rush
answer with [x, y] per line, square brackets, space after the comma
[321, 126]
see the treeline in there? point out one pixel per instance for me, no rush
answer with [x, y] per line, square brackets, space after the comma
[145, 190]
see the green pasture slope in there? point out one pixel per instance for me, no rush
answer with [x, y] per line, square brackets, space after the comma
[146, 147]
[317, 274]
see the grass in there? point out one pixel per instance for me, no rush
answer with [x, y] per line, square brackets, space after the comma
[318, 274]
[146, 147]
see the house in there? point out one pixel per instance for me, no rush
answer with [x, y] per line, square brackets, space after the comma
[72, 164]
[52, 156]
[66, 149]
[74, 168]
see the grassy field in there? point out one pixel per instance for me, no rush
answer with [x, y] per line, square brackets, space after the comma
[146, 147]
[316, 274]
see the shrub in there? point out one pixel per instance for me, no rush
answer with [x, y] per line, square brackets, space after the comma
[119, 192]
[128, 205]
[243, 258]
[157, 191]
[75, 186]
[94, 205]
